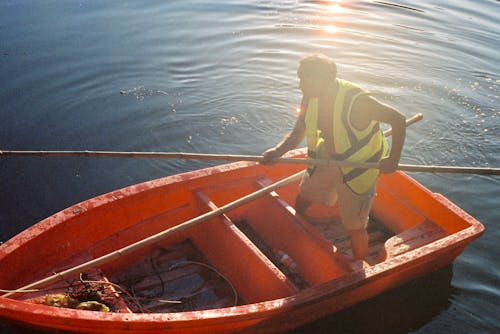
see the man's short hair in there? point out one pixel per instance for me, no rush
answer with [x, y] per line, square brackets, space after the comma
[317, 66]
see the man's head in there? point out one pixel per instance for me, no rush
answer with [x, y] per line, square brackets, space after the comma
[316, 72]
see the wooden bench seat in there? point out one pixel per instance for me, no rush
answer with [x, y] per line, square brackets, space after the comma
[412, 238]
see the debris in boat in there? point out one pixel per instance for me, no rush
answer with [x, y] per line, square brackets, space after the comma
[287, 261]
[172, 279]
[93, 306]
[66, 301]
[60, 300]
[87, 295]
[88, 290]
[175, 279]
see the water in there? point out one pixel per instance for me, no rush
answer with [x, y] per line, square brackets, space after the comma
[219, 77]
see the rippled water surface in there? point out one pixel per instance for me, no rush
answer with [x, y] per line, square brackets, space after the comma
[220, 77]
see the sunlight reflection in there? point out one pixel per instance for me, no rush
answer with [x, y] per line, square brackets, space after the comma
[330, 29]
[334, 8]
[298, 110]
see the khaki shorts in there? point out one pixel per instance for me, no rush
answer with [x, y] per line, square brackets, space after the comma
[326, 186]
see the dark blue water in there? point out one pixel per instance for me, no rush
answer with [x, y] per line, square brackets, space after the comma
[219, 77]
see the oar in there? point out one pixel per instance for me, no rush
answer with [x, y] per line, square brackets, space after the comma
[258, 158]
[198, 156]
[69, 273]
[449, 169]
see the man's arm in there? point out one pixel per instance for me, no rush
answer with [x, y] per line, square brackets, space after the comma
[290, 141]
[368, 108]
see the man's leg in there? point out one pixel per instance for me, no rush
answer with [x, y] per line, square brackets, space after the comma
[317, 188]
[359, 243]
[354, 212]
[301, 204]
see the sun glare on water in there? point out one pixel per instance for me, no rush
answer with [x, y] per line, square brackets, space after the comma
[334, 8]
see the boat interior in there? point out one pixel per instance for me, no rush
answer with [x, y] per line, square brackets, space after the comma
[259, 251]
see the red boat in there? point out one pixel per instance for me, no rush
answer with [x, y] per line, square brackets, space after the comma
[141, 260]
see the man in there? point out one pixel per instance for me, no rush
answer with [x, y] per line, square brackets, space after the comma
[341, 122]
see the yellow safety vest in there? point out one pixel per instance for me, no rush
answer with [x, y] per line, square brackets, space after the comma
[351, 144]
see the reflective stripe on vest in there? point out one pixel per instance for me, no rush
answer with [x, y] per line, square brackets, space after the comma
[367, 145]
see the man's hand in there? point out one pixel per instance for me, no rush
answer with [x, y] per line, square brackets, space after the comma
[269, 157]
[388, 165]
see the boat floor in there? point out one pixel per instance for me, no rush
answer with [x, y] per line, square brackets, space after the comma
[333, 231]
[175, 279]
[179, 278]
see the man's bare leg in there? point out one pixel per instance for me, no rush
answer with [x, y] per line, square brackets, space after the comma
[359, 243]
[301, 205]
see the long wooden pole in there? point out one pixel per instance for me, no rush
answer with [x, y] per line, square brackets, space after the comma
[180, 155]
[449, 169]
[69, 273]
[258, 158]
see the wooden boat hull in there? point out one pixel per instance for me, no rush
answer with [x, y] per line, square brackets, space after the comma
[421, 232]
